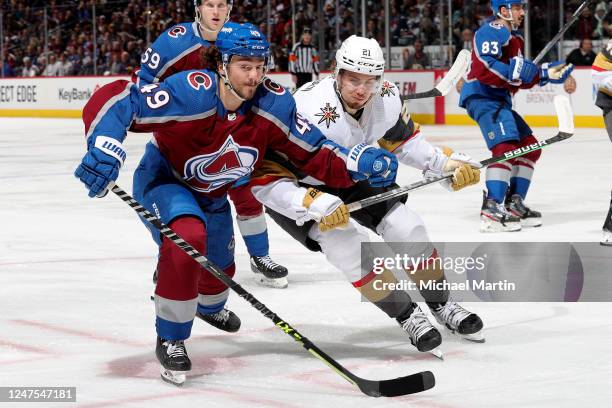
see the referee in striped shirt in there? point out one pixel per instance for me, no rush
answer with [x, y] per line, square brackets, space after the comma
[303, 60]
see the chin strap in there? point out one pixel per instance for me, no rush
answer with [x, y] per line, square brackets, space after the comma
[508, 19]
[227, 83]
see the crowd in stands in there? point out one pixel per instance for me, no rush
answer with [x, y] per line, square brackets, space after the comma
[123, 29]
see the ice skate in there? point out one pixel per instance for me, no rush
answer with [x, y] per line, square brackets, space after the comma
[174, 360]
[460, 321]
[516, 206]
[225, 320]
[495, 218]
[270, 274]
[423, 335]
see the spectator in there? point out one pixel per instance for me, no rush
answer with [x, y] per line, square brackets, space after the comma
[8, 69]
[464, 43]
[586, 24]
[602, 28]
[64, 66]
[29, 70]
[52, 67]
[582, 56]
[87, 64]
[116, 66]
[417, 59]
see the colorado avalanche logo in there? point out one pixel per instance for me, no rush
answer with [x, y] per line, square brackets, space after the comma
[386, 89]
[273, 87]
[199, 80]
[176, 31]
[211, 171]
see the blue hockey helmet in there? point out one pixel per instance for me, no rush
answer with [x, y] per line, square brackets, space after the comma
[497, 4]
[241, 39]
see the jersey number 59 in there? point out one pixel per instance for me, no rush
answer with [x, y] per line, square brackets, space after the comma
[150, 58]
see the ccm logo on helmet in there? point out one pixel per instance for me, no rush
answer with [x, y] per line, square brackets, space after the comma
[176, 31]
[199, 80]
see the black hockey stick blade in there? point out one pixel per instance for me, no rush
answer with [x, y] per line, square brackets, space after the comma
[443, 87]
[396, 387]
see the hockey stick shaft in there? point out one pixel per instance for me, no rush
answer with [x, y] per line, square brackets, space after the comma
[565, 116]
[400, 386]
[562, 31]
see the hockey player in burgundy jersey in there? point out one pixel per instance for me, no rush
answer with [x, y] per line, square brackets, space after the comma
[498, 70]
[179, 49]
[212, 127]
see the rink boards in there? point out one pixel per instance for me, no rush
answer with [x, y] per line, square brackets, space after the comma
[64, 97]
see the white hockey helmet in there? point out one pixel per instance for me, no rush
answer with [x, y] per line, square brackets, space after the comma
[361, 55]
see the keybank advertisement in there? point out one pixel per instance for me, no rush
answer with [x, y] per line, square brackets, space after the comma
[49, 93]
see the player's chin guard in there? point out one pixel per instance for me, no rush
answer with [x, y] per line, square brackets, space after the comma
[244, 40]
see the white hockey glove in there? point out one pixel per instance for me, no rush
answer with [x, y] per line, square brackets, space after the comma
[326, 209]
[465, 170]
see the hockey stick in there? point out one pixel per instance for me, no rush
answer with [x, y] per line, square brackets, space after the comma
[386, 388]
[562, 31]
[566, 130]
[457, 71]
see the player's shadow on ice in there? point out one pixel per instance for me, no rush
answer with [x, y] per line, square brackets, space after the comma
[224, 353]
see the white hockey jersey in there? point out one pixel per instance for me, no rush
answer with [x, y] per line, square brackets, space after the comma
[319, 102]
[380, 123]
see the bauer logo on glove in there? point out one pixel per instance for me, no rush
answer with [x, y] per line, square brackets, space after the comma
[326, 209]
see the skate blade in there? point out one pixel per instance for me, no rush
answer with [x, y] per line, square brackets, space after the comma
[487, 225]
[531, 223]
[280, 283]
[437, 353]
[173, 377]
[477, 337]
[474, 338]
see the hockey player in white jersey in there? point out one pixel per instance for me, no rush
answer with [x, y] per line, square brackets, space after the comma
[356, 108]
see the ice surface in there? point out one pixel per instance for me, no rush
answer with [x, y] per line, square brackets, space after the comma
[75, 281]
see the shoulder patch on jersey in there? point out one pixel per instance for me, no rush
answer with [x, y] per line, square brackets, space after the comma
[177, 31]
[199, 80]
[386, 89]
[328, 115]
[273, 87]
[496, 25]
